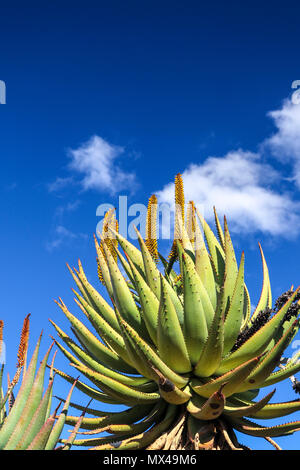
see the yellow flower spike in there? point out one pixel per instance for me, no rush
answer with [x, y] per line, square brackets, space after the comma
[109, 239]
[151, 234]
[22, 353]
[1, 335]
[191, 221]
[179, 215]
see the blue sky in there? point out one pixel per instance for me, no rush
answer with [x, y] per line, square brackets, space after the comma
[115, 98]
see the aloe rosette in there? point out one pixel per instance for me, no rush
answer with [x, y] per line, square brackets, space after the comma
[25, 420]
[179, 347]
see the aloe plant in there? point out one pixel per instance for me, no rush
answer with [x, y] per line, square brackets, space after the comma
[25, 420]
[180, 347]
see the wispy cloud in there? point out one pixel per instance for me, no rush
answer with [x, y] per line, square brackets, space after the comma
[246, 188]
[59, 184]
[63, 209]
[61, 236]
[9, 186]
[96, 162]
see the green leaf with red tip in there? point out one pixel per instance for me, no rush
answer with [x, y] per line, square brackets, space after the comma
[59, 425]
[2, 402]
[69, 442]
[35, 410]
[40, 440]
[37, 422]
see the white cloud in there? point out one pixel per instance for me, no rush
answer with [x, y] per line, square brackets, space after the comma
[95, 160]
[249, 191]
[284, 144]
[236, 185]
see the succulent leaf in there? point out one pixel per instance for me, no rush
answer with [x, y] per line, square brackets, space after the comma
[171, 344]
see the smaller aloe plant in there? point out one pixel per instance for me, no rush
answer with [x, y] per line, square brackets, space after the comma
[25, 421]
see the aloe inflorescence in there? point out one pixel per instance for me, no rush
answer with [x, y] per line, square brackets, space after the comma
[178, 344]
